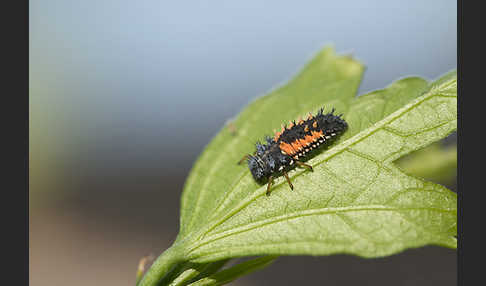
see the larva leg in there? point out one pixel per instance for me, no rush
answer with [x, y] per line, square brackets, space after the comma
[270, 182]
[288, 180]
[304, 165]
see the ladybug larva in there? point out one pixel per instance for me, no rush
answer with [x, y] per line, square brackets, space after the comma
[290, 146]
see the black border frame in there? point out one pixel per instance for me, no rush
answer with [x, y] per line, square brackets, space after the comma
[15, 214]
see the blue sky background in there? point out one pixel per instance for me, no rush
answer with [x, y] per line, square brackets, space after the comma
[143, 81]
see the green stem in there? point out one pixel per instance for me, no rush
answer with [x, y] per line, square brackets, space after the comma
[236, 271]
[165, 263]
[197, 272]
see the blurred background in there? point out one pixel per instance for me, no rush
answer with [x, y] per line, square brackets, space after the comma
[124, 95]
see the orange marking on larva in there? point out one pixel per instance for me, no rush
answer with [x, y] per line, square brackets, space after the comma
[296, 146]
[314, 124]
[306, 129]
[300, 121]
[309, 139]
[291, 124]
[277, 136]
[310, 116]
[316, 134]
[302, 142]
[287, 148]
[293, 148]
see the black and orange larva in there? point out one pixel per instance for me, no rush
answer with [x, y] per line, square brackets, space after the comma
[292, 144]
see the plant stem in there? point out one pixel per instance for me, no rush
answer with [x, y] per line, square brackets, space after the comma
[230, 274]
[164, 264]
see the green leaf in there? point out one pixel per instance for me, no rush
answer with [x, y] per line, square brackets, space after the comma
[355, 201]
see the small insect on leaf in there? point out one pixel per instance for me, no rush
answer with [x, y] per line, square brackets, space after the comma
[292, 145]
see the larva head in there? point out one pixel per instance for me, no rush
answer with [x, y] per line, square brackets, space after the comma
[259, 164]
[256, 167]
